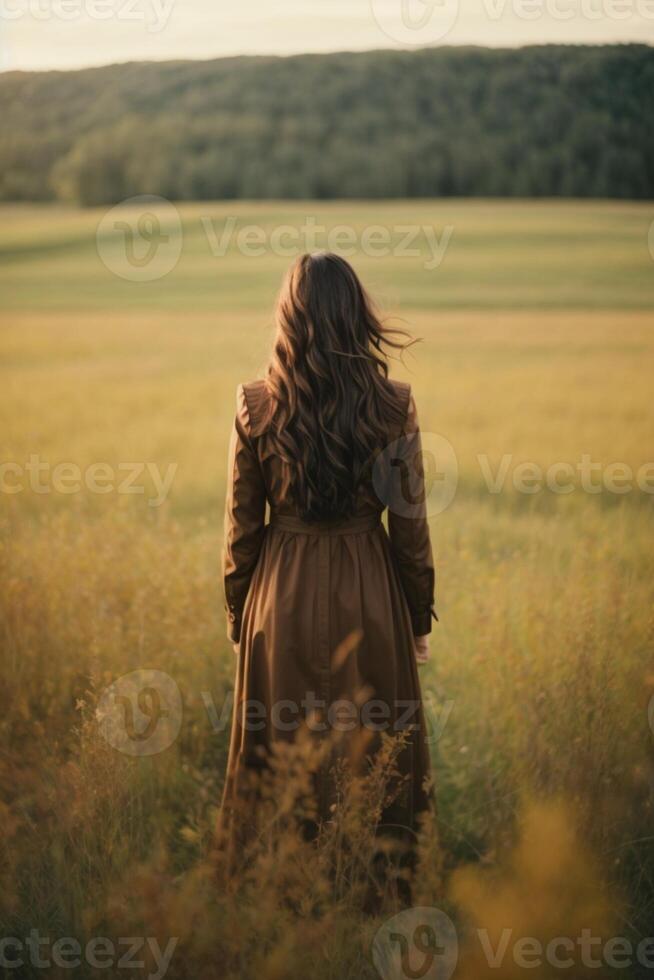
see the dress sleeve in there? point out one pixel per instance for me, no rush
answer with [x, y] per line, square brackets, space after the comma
[408, 527]
[245, 512]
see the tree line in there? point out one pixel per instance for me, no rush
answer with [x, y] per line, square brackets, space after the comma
[538, 121]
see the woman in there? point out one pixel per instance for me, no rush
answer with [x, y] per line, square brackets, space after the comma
[324, 608]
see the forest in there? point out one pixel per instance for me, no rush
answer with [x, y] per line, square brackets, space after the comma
[568, 121]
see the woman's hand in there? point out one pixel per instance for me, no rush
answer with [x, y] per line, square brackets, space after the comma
[421, 646]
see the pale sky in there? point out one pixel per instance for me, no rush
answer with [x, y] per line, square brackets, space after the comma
[39, 34]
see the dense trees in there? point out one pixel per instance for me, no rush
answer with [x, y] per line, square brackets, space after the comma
[574, 121]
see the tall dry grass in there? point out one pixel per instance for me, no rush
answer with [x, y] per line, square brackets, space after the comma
[537, 700]
[538, 689]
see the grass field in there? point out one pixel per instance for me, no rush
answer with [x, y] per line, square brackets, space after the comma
[537, 330]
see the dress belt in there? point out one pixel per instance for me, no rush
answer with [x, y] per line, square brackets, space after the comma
[354, 525]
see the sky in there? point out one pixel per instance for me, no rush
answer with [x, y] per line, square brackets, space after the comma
[45, 34]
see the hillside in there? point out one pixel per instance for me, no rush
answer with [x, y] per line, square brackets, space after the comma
[540, 121]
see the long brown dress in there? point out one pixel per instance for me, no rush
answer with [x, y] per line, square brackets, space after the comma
[298, 593]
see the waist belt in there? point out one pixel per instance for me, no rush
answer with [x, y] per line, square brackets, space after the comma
[354, 525]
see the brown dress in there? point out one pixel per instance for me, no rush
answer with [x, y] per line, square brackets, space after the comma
[325, 613]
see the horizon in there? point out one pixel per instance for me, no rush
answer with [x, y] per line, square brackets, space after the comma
[64, 35]
[323, 54]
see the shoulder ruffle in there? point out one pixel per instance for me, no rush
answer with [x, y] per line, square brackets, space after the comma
[255, 398]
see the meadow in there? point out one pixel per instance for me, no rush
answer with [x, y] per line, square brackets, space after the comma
[537, 347]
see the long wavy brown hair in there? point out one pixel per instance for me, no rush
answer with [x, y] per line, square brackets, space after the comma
[331, 401]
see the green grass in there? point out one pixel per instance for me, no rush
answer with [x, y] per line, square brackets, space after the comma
[529, 255]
